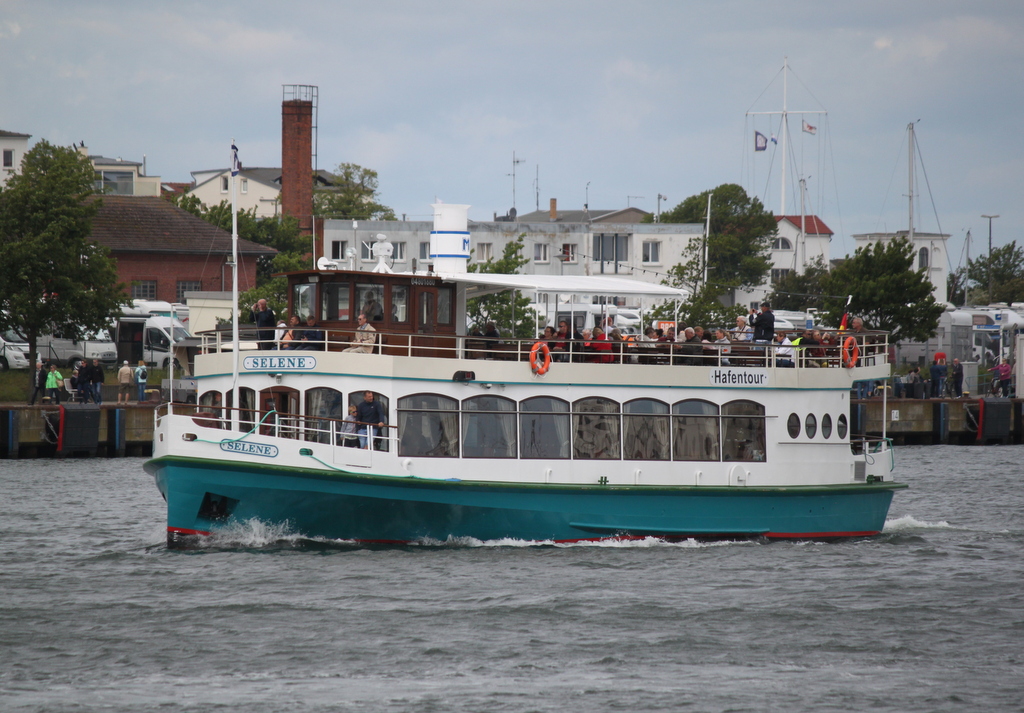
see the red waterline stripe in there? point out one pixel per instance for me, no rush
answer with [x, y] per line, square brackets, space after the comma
[183, 531]
[799, 535]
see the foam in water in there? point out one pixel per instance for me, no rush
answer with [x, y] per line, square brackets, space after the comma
[909, 523]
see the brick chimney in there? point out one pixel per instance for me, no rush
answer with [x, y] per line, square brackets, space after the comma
[554, 210]
[297, 162]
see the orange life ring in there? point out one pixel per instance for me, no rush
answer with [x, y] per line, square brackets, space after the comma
[539, 369]
[851, 352]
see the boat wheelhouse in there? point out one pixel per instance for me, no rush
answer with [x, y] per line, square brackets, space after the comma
[505, 438]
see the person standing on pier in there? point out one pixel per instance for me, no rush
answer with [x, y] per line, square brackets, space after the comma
[957, 376]
[38, 384]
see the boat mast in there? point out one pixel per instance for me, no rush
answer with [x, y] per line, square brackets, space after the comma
[235, 166]
[910, 181]
[785, 132]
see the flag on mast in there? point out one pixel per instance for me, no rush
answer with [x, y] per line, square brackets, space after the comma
[760, 141]
[810, 129]
[236, 165]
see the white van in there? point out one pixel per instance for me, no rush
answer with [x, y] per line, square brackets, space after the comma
[72, 352]
[146, 332]
[13, 351]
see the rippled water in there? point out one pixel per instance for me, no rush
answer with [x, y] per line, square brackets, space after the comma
[97, 615]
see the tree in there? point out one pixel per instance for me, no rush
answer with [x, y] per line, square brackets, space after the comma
[886, 292]
[739, 240]
[52, 276]
[513, 316]
[1007, 276]
[798, 291]
[353, 196]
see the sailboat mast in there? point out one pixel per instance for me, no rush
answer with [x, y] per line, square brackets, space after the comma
[910, 180]
[785, 132]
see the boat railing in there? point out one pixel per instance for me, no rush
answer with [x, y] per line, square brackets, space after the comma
[314, 429]
[847, 350]
[875, 450]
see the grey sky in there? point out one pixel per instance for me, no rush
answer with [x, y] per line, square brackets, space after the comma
[635, 98]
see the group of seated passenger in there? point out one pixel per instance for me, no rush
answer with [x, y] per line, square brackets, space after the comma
[293, 337]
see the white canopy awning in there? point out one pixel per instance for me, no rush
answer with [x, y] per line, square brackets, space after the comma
[479, 284]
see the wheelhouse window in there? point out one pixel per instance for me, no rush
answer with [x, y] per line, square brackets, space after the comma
[399, 303]
[428, 425]
[302, 300]
[370, 298]
[544, 428]
[335, 301]
[595, 425]
[645, 430]
[488, 427]
[743, 431]
[695, 431]
[444, 305]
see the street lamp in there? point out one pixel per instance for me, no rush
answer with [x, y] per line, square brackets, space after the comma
[990, 217]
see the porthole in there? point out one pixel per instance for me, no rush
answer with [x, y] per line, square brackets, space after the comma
[841, 425]
[811, 425]
[826, 426]
[793, 425]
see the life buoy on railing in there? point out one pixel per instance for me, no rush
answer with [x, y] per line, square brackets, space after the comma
[542, 348]
[851, 352]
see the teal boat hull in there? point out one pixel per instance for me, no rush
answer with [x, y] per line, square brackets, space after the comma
[204, 496]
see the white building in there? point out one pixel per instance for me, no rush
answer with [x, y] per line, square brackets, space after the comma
[115, 176]
[929, 255]
[800, 240]
[13, 147]
[258, 188]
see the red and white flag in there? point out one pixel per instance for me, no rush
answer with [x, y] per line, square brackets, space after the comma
[810, 129]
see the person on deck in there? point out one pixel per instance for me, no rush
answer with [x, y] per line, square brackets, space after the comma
[365, 337]
[763, 323]
[313, 337]
[265, 320]
[367, 413]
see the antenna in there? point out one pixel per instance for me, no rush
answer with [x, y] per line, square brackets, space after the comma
[513, 174]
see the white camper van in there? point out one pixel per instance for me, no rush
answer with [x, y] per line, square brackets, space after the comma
[13, 351]
[146, 332]
[71, 352]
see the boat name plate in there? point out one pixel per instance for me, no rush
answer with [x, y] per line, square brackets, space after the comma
[295, 363]
[253, 449]
[738, 377]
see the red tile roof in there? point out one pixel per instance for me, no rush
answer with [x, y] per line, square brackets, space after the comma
[151, 224]
[813, 225]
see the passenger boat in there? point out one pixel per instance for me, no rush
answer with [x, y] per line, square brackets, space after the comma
[492, 440]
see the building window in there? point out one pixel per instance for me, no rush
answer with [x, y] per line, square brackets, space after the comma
[540, 253]
[922, 259]
[782, 244]
[245, 185]
[484, 252]
[398, 252]
[365, 250]
[652, 251]
[338, 248]
[8, 158]
[425, 250]
[611, 249]
[144, 290]
[223, 184]
[569, 252]
[188, 286]
[778, 273]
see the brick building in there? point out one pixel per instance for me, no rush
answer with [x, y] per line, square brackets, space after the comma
[162, 251]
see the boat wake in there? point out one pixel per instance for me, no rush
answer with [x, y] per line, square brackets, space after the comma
[909, 523]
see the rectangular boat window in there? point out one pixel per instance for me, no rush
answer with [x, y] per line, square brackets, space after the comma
[428, 425]
[399, 303]
[743, 431]
[335, 297]
[695, 431]
[370, 298]
[488, 427]
[544, 428]
[444, 305]
[302, 300]
[645, 430]
[595, 426]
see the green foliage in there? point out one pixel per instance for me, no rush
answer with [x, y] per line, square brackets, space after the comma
[1007, 275]
[353, 196]
[739, 243]
[887, 292]
[52, 276]
[800, 291]
[704, 308]
[275, 289]
[513, 316]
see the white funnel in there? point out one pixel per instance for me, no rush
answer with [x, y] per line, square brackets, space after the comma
[449, 240]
